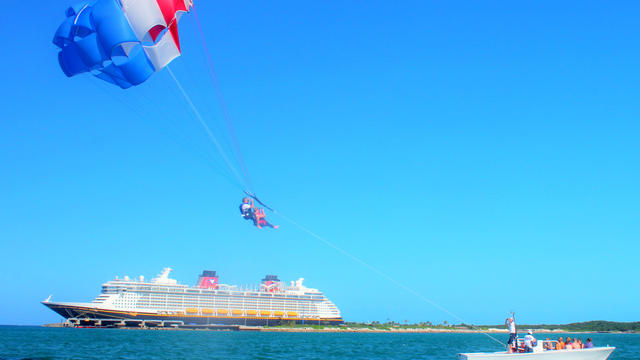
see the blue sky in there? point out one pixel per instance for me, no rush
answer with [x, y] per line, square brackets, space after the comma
[484, 154]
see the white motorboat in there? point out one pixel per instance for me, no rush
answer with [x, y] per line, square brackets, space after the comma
[596, 353]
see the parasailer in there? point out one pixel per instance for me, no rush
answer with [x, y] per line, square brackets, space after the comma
[247, 210]
[120, 41]
[124, 42]
[250, 212]
[262, 221]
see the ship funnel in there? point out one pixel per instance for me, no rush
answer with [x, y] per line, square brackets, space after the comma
[208, 280]
[270, 283]
[270, 278]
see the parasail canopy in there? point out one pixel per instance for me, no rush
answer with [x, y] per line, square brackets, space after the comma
[120, 41]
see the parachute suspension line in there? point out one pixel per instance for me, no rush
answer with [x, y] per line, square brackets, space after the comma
[381, 273]
[259, 201]
[205, 126]
[143, 116]
[213, 78]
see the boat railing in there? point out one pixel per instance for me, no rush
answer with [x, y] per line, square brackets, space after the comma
[549, 344]
[540, 345]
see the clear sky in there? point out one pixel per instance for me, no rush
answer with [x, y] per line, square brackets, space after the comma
[483, 153]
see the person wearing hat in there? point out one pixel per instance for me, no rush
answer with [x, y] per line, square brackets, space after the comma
[529, 341]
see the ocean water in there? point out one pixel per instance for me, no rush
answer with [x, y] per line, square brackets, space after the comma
[62, 343]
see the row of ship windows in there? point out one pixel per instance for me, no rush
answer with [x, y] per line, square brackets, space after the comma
[217, 302]
[181, 307]
[264, 301]
[227, 306]
[142, 306]
[217, 299]
[203, 298]
[201, 304]
[155, 306]
[115, 290]
[302, 308]
[302, 312]
[193, 301]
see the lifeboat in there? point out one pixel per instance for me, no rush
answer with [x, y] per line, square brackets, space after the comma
[191, 310]
[223, 311]
[292, 313]
[236, 312]
[252, 312]
[265, 313]
[207, 311]
[278, 313]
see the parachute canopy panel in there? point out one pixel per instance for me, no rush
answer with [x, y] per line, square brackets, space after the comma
[122, 42]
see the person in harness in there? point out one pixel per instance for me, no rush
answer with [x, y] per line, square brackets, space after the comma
[256, 214]
[247, 210]
[261, 219]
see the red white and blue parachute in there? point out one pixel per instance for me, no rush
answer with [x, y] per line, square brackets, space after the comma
[120, 41]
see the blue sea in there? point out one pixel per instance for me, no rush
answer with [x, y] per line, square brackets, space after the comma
[26, 342]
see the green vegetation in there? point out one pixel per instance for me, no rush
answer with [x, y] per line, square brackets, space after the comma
[375, 325]
[588, 326]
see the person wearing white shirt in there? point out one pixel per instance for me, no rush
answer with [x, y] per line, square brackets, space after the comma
[529, 341]
[510, 323]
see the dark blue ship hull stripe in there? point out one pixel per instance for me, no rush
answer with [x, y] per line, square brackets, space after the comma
[68, 311]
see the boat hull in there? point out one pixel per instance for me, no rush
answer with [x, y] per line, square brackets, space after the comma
[92, 314]
[600, 353]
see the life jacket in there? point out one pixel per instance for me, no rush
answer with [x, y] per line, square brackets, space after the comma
[245, 211]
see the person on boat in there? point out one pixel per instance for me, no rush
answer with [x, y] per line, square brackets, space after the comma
[560, 343]
[510, 323]
[261, 220]
[529, 341]
[588, 344]
[568, 345]
[247, 210]
[548, 345]
[578, 344]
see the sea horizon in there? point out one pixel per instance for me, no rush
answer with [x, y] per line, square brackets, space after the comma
[34, 342]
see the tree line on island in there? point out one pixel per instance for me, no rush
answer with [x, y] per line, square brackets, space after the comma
[587, 326]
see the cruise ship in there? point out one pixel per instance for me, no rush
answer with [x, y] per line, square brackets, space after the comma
[164, 302]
